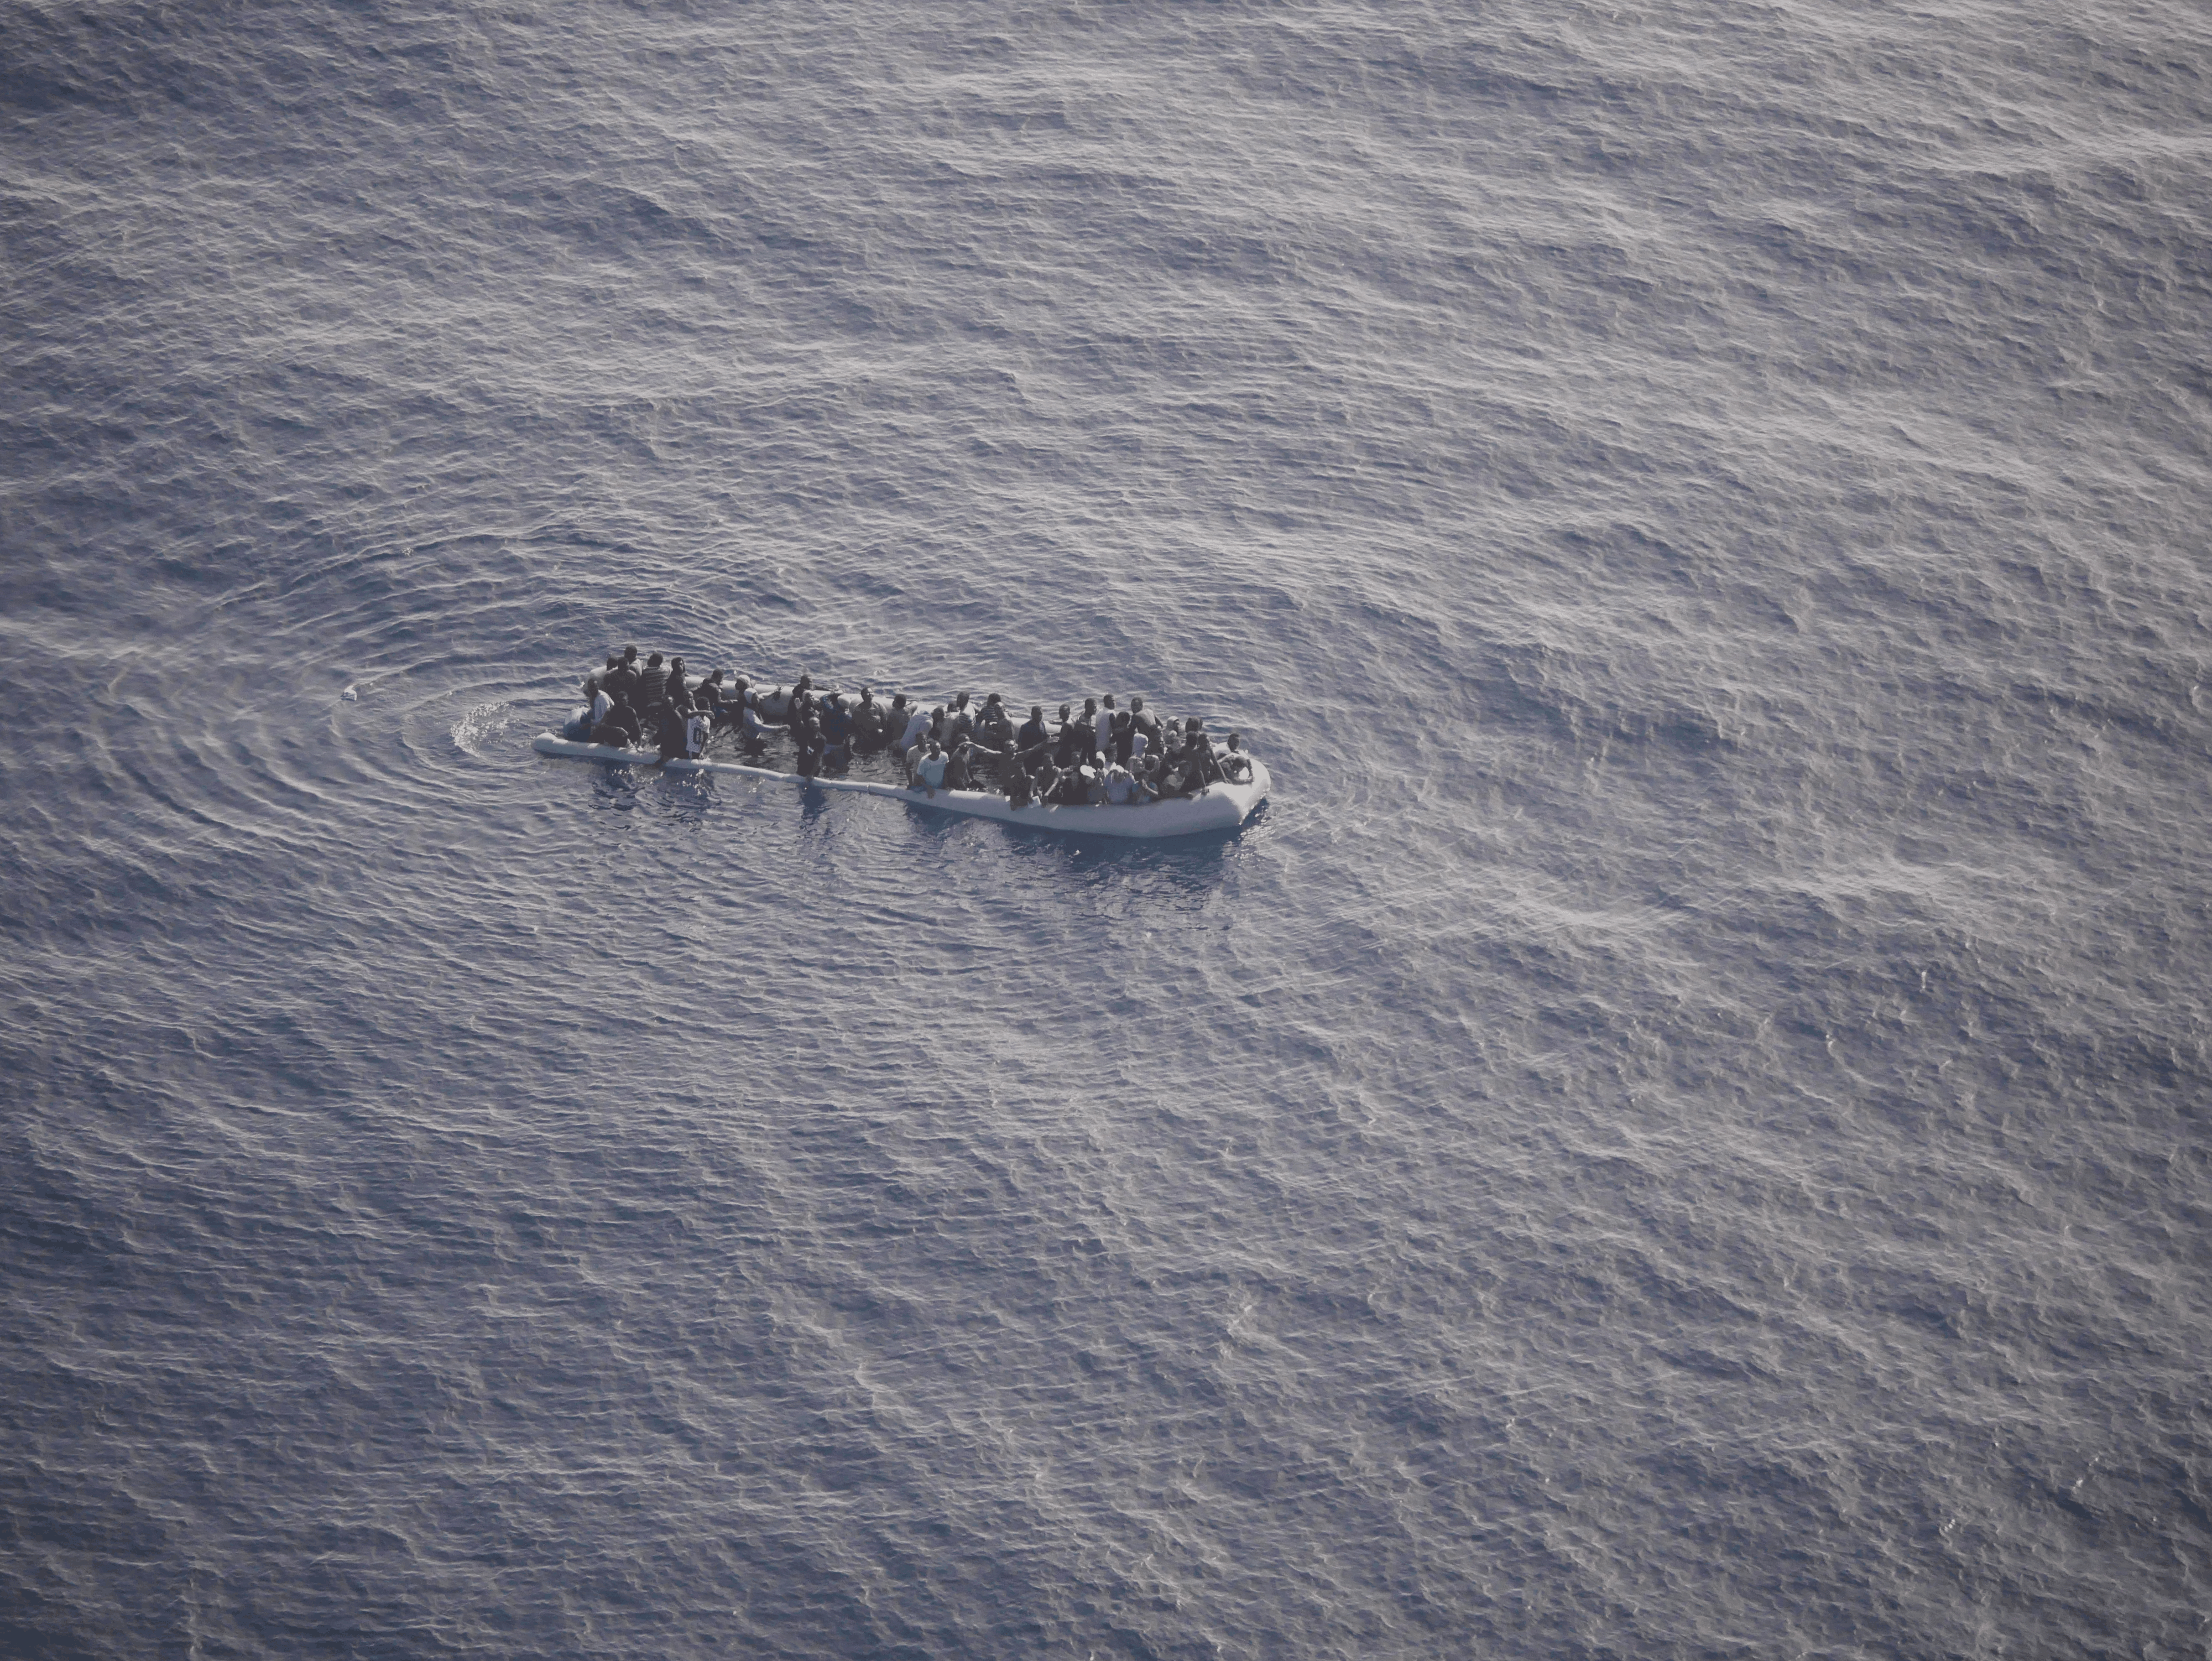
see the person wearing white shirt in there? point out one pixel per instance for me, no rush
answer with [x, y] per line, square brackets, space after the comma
[930, 769]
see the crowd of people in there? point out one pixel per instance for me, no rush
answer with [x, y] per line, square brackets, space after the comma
[1103, 754]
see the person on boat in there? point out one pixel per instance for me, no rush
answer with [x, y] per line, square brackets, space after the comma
[1013, 778]
[1198, 751]
[808, 739]
[1094, 785]
[929, 772]
[917, 723]
[619, 727]
[1101, 723]
[698, 727]
[956, 766]
[1070, 736]
[1144, 727]
[836, 722]
[668, 726]
[868, 720]
[1034, 732]
[651, 686]
[994, 727]
[959, 723]
[1236, 765]
[677, 692]
[800, 706]
[706, 699]
[620, 680]
[1121, 784]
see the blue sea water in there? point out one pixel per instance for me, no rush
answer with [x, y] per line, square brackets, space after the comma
[1680, 1130]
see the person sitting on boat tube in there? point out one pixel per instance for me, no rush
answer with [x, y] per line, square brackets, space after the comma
[994, 727]
[619, 727]
[1235, 765]
[929, 771]
[1013, 777]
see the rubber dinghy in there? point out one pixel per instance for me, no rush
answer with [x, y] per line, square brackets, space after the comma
[1221, 808]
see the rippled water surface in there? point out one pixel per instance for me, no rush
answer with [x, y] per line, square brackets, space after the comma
[1680, 1131]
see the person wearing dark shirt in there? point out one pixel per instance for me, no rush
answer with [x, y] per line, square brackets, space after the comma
[651, 686]
[994, 727]
[808, 764]
[1198, 756]
[619, 726]
[1012, 778]
[676, 692]
[1069, 737]
[1034, 730]
[1141, 719]
[669, 723]
[620, 682]
[707, 697]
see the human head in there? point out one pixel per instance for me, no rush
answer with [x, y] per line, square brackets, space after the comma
[868, 696]
[715, 679]
[935, 748]
[629, 654]
[960, 703]
[613, 658]
[1109, 700]
[1136, 704]
[1090, 706]
[675, 663]
[652, 661]
[1193, 725]
[993, 698]
[1037, 712]
[1235, 740]
[1063, 712]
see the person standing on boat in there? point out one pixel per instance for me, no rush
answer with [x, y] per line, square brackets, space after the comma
[1034, 732]
[651, 686]
[1064, 740]
[994, 727]
[621, 679]
[917, 723]
[1144, 729]
[809, 739]
[868, 720]
[959, 723]
[1101, 723]
[668, 727]
[1013, 777]
[675, 690]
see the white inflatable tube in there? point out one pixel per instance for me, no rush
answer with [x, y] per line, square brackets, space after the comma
[1218, 807]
